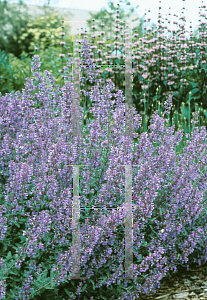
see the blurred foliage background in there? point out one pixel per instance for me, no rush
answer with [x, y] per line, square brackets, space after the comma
[18, 40]
[17, 44]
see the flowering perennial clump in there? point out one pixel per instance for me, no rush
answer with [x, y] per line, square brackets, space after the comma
[38, 152]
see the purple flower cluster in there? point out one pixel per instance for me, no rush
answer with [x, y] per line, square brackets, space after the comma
[39, 149]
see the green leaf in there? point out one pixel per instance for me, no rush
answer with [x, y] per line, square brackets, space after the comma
[72, 282]
[205, 113]
[68, 293]
[93, 283]
[102, 278]
[185, 111]
[130, 287]
[140, 257]
[49, 287]
[194, 91]
[84, 287]
[14, 271]
[9, 255]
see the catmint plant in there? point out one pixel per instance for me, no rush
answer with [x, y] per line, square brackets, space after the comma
[38, 153]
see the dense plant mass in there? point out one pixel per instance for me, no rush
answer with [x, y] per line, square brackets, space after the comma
[38, 201]
[38, 151]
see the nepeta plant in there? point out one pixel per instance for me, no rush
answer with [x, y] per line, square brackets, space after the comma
[38, 152]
